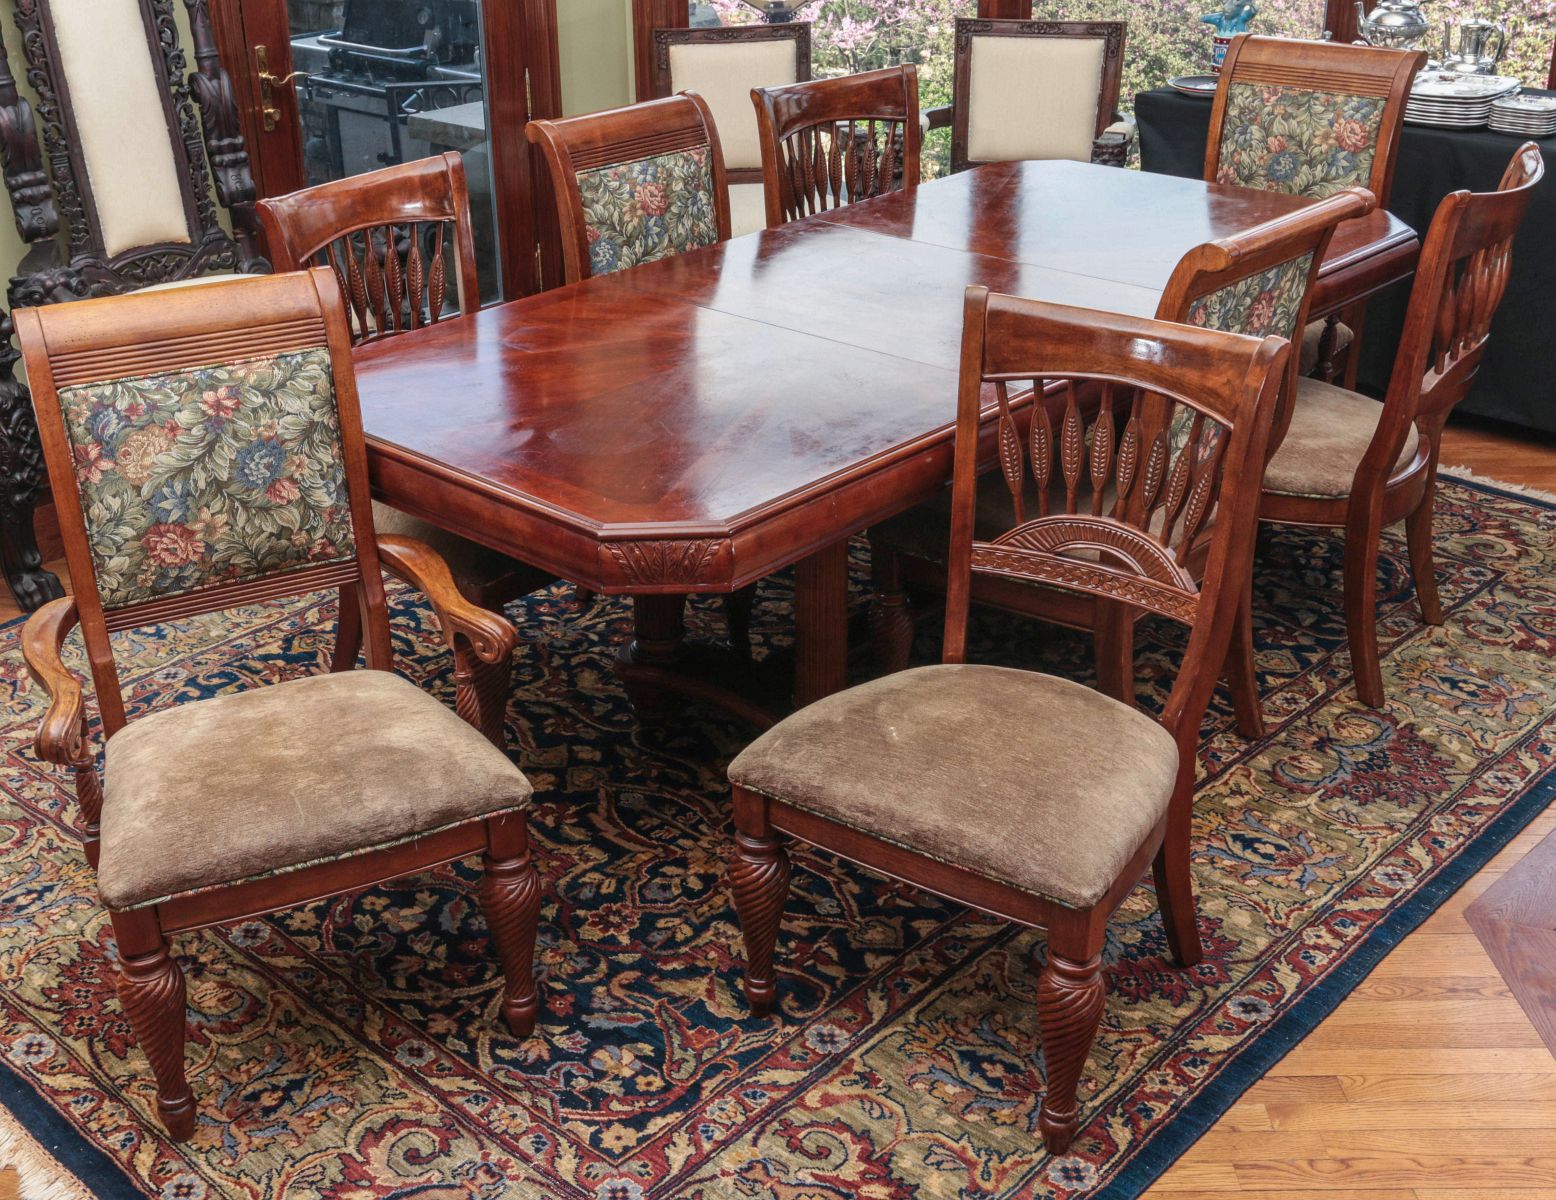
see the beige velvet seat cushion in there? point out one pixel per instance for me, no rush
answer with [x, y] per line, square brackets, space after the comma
[260, 782]
[1330, 431]
[473, 566]
[723, 74]
[1307, 355]
[174, 285]
[1033, 98]
[1030, 780]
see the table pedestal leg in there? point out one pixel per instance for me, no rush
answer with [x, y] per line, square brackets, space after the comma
[659, 662]
[821, 624]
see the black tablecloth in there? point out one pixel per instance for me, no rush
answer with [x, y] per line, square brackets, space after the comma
[1518, 376]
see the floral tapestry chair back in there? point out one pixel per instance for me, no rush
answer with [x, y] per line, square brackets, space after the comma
[637, 184]
[1260, 282]
[1309, 118]
[198, 473]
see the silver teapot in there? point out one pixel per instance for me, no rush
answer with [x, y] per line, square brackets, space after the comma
[1399, 24]
[1475, 55]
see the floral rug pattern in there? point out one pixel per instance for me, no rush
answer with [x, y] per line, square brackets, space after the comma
[351, 1049]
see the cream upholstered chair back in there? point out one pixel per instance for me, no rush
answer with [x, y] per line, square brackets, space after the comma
[722, 65]
[1034, 89]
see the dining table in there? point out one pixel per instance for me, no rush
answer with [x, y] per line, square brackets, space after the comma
[696, 424]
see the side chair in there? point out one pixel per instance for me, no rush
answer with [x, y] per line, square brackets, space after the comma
[1038, 90]
[1260, 283]
[1308, 119]
[722, 65]
[400, 243]
[634, 185]
[205, 448]
[1349, 462]
[1025, 795]
[832, 142]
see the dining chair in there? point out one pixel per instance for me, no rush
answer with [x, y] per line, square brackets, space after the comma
[1309, 118]
[1349, 462]
[1038, 90]
[1259, 282]
[400, 243]
[206, 451]
[722, 64]
[1026, 795]
[635, 184]
[832, 142]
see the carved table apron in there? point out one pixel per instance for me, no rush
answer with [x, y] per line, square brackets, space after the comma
[695, 424]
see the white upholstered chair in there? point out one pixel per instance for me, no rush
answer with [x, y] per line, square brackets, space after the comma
[1038, 90]
[111, 183]
[722, 65]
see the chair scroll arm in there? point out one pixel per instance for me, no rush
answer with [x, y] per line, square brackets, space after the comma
[26, 179]
[61, 737]
[482, 641]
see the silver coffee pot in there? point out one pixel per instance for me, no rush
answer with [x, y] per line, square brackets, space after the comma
[1481, 45]
[1399, 24]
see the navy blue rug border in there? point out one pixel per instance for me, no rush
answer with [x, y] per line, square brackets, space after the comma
[104, 1178]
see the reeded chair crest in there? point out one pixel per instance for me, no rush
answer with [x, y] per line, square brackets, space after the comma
[635, 184]
[831, 142]
[399, 241]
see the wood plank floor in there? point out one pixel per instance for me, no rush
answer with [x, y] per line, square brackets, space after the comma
[1428, 1082]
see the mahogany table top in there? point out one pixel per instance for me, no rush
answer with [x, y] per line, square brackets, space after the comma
[697, 423]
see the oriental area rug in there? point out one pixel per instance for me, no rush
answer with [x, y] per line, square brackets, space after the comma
[352, 1050]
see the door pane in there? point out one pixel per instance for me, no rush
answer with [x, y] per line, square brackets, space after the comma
[390, 81]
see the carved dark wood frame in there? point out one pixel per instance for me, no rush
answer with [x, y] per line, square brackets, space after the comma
[797, 32]
[202, 121]
[1112, 35]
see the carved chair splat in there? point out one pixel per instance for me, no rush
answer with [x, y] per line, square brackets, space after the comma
[1045, 831]
[831, 142]
[175, 850]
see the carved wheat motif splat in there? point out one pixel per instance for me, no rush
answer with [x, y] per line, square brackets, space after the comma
[394, 277]
[1116, 512]
[826, 166]
[1469, 300]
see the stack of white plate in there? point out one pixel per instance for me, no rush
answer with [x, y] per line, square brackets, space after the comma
[1527, 116]
[1450, 100]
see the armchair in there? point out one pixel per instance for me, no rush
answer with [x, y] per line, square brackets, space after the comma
[116, 197]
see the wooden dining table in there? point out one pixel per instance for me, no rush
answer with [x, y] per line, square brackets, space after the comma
[696, 424]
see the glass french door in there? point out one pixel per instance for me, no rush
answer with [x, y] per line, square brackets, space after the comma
[335, 88]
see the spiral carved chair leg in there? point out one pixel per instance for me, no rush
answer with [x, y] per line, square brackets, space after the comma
[510, 900]
[151, 991]
[1070, 996]
[759, 881]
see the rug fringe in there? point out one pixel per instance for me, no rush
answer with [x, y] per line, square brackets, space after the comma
[1521, 489]
[41, 1175]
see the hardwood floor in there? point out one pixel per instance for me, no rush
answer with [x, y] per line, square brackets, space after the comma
[1428, 1082]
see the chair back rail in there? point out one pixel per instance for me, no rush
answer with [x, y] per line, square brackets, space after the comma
[1459, 283]
[969, 30]
[1360, 92]
[583, 147]
[709, 48]
[110, 362]
[832, 142]
[389, 236]
[1117, 506]
[1260, 281]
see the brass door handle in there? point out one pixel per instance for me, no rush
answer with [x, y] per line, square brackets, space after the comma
[269, 110]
